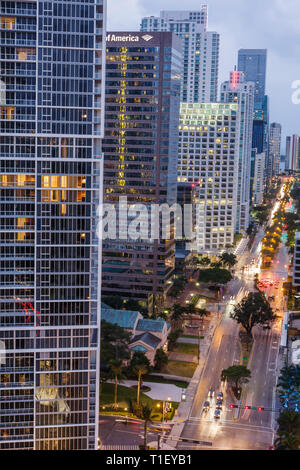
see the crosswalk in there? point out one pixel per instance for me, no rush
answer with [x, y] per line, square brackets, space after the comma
[119, 447]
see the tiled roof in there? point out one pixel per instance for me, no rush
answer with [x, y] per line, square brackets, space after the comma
[148, 339]
[151, 325]
[123, 318]
[139, 347]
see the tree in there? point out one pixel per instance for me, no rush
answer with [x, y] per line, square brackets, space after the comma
[140, 365]
[177, 315]
[236, 375]
[204, 261]
[228, 259]
[146, 412]
[287, 442]
[288, 421]
[202, 312]
[253, 310]
[114, 342]
[161, 359]
[116, 371]
[215, 275]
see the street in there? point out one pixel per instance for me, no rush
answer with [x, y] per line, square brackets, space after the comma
[251, 429]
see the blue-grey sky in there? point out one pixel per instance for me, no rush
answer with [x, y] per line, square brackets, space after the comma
[270, 24]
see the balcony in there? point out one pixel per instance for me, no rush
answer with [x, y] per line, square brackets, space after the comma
[17, 42]
[18, 11]
[18, 57]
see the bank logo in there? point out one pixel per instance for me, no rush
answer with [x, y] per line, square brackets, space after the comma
[147, 37]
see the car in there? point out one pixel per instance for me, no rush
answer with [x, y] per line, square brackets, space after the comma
[217, 414]
[211, 392]
[220, 396]
[206, 406]
[219, 405]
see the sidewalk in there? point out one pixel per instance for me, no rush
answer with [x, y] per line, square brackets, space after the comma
[158, 391]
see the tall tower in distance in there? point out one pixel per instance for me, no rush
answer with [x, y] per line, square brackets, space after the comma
[274, 149]
[51, 125]
[253, 62]
[200, 51]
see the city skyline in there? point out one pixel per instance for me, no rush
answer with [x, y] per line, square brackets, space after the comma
[276, 29]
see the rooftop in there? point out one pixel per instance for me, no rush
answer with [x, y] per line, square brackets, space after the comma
[124, 318]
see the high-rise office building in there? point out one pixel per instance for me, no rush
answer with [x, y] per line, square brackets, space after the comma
[200, 51]
[287, 152]
[237, 90]
[209, 157]
[50, 186]
[143, 74]
[274, 150]
[259, 180]
[293, 152]
[253, 62]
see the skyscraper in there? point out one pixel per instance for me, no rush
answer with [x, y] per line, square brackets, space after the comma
[293, 152]
[200, 51]
[50, 186]
[209, 157]
[143, 73]
[237, 90]
[258, 181]
[253, 62]
[274, 150]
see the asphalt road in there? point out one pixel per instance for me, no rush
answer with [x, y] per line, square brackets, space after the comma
[252, 430]
[113, 432]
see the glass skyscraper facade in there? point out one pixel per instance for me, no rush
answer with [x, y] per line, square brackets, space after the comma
[143, 73]
[50, 187]
[200, 51]
[253, 62]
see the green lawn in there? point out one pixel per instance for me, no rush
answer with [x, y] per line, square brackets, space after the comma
[162, 380]
[186, 348]
[182, 369]
[125, 394]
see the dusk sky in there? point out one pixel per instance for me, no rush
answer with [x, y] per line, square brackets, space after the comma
[270, 24]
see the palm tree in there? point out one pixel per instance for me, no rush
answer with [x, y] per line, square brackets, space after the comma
[115, 367]
[177, 315]
[287, 441]
[146, 412]
[204, 261]
[140, 370]
[203, 313]
[288, 421]
[228, 259]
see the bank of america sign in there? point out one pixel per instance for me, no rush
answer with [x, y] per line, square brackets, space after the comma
[128, 38]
